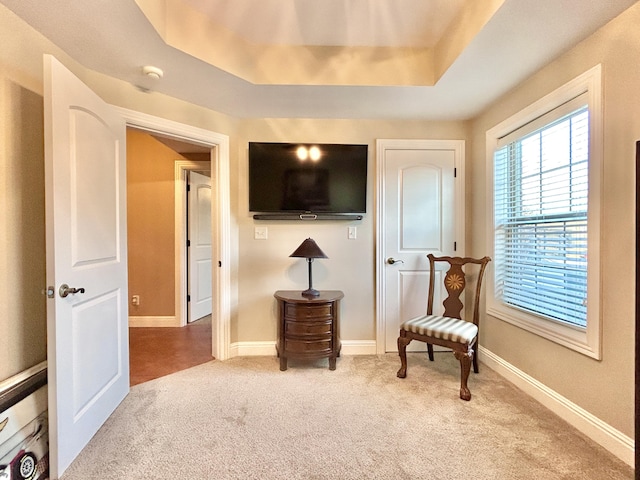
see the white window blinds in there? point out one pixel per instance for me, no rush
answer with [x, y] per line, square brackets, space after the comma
[540, 211]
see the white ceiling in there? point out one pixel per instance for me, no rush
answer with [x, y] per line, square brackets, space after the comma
[115, 38]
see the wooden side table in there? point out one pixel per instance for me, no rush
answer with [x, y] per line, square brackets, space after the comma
[308, 327]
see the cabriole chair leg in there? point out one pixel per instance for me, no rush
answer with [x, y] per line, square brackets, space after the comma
[403, 341]
[465, 368]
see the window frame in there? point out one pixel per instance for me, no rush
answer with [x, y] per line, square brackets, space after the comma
[583, 340]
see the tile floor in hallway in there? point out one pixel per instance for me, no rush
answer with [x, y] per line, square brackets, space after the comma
[158, 351]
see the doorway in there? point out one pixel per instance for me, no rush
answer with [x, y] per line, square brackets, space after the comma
[162, 340]
[221, 230]
[193, 237]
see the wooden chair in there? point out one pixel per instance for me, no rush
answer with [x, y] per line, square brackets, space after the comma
[447, 330]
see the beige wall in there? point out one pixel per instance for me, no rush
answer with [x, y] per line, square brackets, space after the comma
[22, 235]
[265, 266]
[604, 388]
[151, 224]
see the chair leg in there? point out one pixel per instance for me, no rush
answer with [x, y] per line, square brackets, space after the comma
[475, 361]
[465, 368]
[403, 341]
[430, 351]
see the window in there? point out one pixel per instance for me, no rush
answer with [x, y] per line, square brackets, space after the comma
[545, 205]
[540, 214]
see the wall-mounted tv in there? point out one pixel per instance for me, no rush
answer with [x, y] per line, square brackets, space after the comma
[299, 178]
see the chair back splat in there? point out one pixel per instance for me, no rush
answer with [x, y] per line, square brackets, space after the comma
[449, 329]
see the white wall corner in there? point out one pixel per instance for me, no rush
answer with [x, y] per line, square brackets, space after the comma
[600, 432]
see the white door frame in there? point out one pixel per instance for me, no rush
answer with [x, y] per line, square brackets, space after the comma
[398, 144]
[182, 167]
[221, 214]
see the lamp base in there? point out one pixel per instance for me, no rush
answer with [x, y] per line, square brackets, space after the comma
[311, 292]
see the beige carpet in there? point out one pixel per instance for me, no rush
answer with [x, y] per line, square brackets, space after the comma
[245, 419]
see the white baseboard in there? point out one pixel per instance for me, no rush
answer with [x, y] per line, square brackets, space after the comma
[262, 349]
[153, 322]
[600, 432]
[358, 347]
[252, 349]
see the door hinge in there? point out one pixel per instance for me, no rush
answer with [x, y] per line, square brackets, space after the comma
[219, 263]
[455, 246]
[188, 243]
[188, 298]
[455, 173]
[188, 187]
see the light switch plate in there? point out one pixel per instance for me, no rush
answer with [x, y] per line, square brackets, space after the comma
[260, 233]
[352, 233]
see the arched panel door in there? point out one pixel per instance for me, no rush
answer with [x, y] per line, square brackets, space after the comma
[87, 317]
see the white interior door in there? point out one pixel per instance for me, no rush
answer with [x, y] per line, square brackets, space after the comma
[200, 274]
[418, 216]
[87, 334]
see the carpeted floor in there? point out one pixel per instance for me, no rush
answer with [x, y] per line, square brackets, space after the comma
[245, 419]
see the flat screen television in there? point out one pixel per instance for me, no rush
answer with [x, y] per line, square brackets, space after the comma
[294, 178]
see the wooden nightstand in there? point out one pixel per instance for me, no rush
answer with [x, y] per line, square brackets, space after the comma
[308, 327]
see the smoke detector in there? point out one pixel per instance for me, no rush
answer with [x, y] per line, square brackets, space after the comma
[152, 72]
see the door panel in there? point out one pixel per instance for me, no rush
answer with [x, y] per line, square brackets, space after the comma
[200, 268]
[87, 331]
[95, 336]
[93, 187]
[419, 217]
[420, 204]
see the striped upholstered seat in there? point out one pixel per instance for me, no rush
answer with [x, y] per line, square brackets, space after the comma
[445, 328]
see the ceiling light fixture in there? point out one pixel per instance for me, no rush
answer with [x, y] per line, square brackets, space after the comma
[152, 72]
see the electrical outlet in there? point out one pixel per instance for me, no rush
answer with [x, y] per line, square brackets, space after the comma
[352, 233]
[135, 300]
[260, 233]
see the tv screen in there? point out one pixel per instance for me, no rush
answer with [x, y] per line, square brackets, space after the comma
[307, 178]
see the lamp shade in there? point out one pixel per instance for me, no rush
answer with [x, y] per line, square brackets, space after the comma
[308, 249]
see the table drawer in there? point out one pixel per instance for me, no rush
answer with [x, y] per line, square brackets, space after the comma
[300, 312]
[307, 328]
[311, 346]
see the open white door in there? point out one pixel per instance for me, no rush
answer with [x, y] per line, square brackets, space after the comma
[200, 274]
[87, 331]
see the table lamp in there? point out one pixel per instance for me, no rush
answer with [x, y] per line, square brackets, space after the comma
[309, 249]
